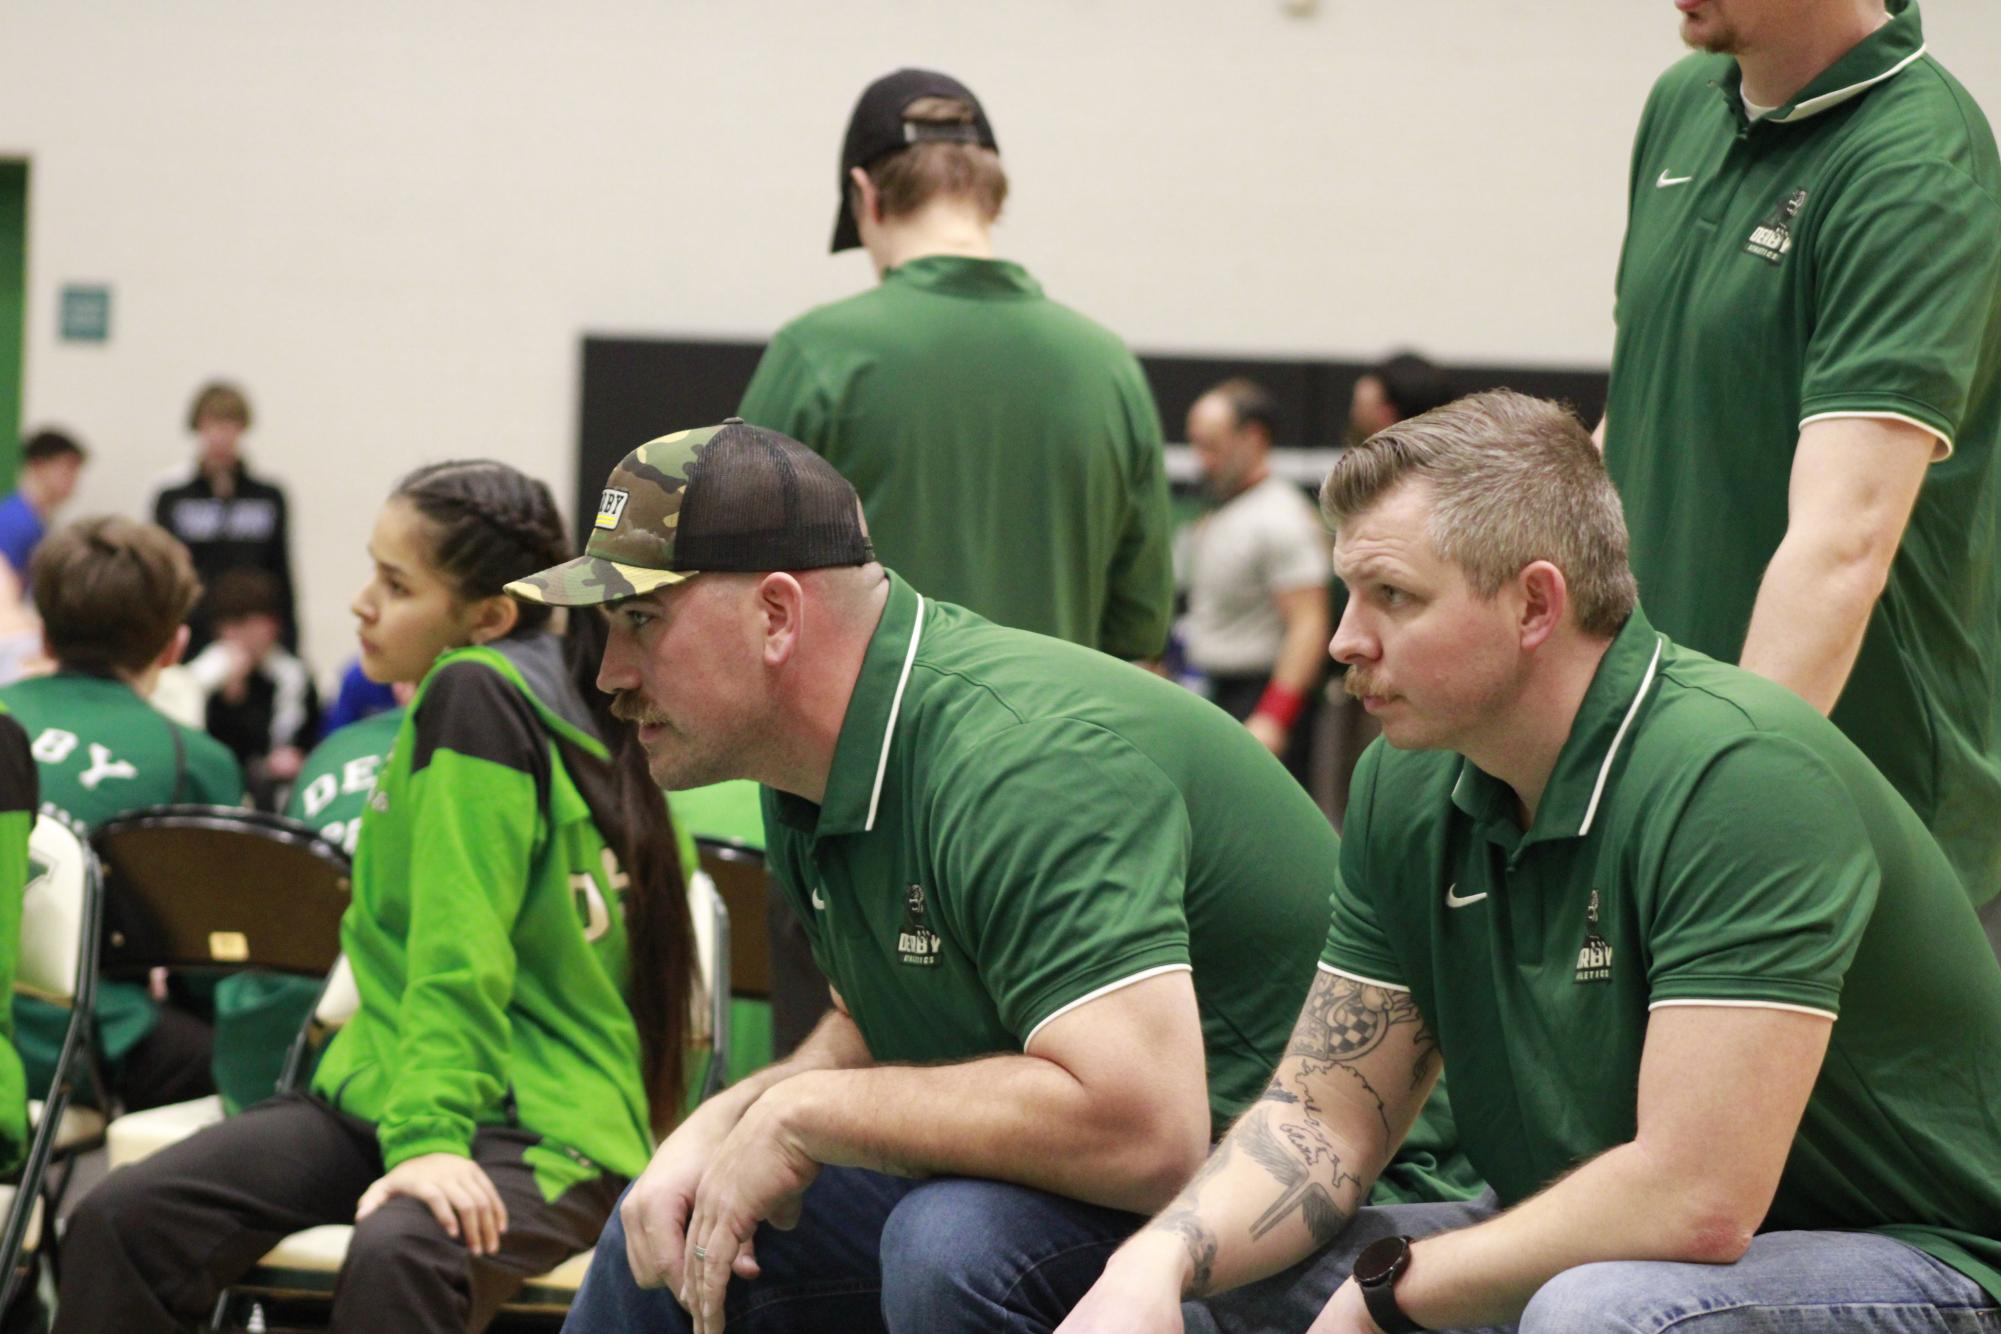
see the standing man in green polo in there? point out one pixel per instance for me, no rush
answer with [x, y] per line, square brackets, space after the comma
[1007, 449]
[1806, 387]
[1722, 1032]
[1063, 957]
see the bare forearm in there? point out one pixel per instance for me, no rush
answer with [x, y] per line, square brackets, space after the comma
[1812, 610]
[1622, 1205]
[1007, 1118]
[834, 1044]
[1303, 651]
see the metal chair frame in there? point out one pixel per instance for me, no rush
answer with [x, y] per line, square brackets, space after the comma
[75, 1048]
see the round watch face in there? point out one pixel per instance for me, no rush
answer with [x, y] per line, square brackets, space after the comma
[1381, 1261]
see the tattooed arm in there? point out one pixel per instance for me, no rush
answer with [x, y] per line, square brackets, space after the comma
[1292, 1170]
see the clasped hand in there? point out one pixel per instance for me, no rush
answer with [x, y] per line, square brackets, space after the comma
[690, 1217]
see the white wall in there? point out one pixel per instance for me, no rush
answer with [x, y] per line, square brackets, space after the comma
[393, 221]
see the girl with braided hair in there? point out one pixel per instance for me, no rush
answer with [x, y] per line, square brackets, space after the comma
[520, 942]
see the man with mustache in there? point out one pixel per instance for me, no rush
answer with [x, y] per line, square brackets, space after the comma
[1722, 1033]
[1805, 399]
[1067, 908]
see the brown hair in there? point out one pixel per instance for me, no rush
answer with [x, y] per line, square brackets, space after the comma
[222, 401]
[112, 592]
[906, 181]
[1512, 480]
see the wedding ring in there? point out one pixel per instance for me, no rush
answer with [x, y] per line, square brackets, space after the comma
[701, 1254]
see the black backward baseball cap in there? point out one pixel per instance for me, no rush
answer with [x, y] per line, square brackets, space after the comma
[877, 129]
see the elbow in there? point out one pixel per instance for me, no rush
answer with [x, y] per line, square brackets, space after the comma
[1856, 563]
[1162, 1153]
[1718, 1237]
[1713, 1223]
[1179, 1158]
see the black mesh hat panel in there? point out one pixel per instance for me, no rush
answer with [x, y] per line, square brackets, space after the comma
[757, 500]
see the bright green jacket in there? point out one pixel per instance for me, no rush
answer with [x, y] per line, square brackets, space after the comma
[486, 933]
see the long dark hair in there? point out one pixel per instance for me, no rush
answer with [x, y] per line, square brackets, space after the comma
[491, 524]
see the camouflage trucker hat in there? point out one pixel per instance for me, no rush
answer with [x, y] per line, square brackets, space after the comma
[728, 497]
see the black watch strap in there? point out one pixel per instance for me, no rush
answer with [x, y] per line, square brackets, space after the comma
[1377, 1270]
[1383, 1309]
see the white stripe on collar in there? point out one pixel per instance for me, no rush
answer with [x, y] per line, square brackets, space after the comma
[895, 706]
[1813, 106]
[1605, 769]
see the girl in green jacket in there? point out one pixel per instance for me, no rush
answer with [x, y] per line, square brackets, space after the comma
[520, 941]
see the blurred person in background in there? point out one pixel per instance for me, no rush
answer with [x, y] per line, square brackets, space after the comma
[1007, 449]
[50, 465]
[114, 595]
[1402, 386]
[1257, 576]
[226, 517]
[261, 699]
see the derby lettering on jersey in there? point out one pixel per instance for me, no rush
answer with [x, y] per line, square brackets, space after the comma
[103, 765]
[55, 745]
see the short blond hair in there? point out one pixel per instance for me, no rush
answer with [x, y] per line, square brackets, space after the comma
[222, 401]
[907, 180]
[1512, 480]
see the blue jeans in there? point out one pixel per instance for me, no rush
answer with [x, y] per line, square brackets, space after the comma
[1787, 1283]
[873, 1252]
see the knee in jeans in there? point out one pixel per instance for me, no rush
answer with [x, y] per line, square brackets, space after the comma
[1589, 1299]
[934, 1252]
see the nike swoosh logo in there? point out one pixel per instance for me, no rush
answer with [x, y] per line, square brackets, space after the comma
[1666, 180]
[1452, 899]
[819, 903]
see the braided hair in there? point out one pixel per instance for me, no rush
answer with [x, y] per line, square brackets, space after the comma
[490, 524]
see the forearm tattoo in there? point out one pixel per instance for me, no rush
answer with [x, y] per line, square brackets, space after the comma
[1184, 1219]
[1284, 1134]
[1291, 1153]
[1344, 1020]
[1201, 1244]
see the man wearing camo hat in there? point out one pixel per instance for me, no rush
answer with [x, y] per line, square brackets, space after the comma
[1024, 867]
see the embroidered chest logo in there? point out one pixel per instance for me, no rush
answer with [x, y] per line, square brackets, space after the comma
[1594, 960]
[917, 944]
[611, 507]
[1772, 238]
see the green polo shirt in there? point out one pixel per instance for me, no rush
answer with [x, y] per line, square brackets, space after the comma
[19, 798]
[1841, 257]
[1706, 838]
[101, 752]
[332, 788]
[1006, 449]
[1014, 826]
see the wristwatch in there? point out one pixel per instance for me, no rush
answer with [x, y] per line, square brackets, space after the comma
[1377, 1270]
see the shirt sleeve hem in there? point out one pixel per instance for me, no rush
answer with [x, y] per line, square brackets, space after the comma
[1073, 992]
[1365, 979]
[1103, 991]
[1886, 407]
[1764, 993]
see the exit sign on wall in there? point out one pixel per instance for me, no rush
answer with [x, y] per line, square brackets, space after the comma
[86, 313]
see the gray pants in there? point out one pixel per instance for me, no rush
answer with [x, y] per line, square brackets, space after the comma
[1787, 1283]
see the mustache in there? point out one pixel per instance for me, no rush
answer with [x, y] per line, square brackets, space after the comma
[1358, 683]
[629, 706]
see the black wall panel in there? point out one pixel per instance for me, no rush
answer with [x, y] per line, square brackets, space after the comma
[638, 388]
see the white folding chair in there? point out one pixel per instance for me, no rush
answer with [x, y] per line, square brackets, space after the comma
[61, 915]
[710, 1027]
